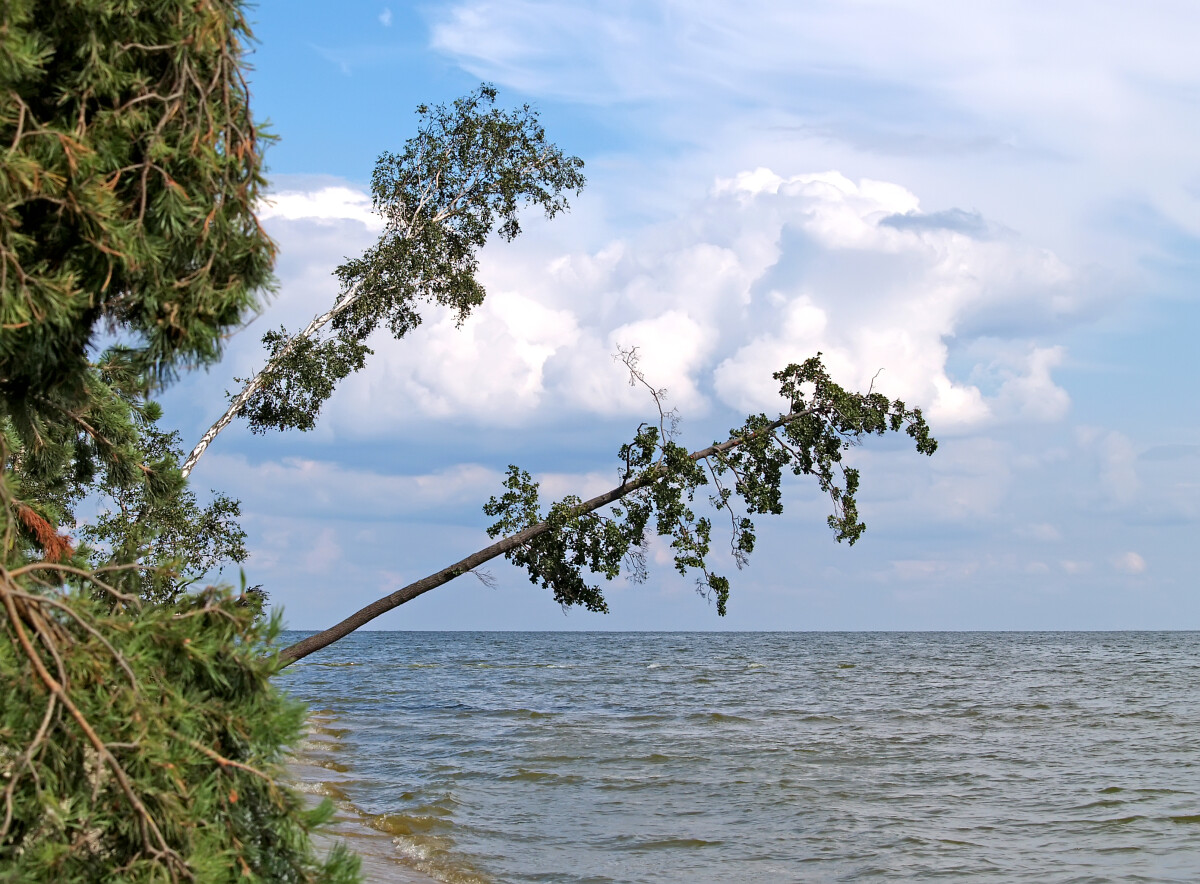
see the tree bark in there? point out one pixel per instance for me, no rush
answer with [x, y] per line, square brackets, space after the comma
[317, 641]
[255, 383]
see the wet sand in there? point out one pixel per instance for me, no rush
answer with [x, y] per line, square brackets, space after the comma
[381, 864]
[317, 771]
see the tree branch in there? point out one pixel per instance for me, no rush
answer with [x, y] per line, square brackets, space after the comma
[360, 618]
[256, 383]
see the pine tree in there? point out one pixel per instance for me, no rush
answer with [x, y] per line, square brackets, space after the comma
[141, 738]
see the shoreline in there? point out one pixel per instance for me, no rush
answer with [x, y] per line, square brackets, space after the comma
[381, 861]
[315, 771]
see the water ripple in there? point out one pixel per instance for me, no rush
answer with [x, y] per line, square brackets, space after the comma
[580, 757]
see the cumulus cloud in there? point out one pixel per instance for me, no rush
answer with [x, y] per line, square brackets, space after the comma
[873, 295]
[331, 203]
[1028, 391]
[764, 271]
[489, 370]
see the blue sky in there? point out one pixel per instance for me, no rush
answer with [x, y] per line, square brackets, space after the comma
[996, 204]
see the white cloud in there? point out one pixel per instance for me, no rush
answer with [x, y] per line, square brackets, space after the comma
[764, 271]
[331, 203]
[1034, 395]
[385, 18]
[1096, 95]
[883, 295]
[488, 370]
[1129, 563]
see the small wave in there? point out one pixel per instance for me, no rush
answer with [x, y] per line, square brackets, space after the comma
[318, 746]
[314, 728]
[556, 759]
[524, 775]
[409, 824]
[330, 764]
[718, 718]
[671, 844]
[1103, 802]
[326, 790]
[525, 713]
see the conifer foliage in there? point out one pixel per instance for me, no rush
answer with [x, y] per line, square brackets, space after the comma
[140, 736]
[131, 169]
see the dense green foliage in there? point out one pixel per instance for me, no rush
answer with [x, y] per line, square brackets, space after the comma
[130, 174]
[140, 736]
[144, 745]
[661, 479]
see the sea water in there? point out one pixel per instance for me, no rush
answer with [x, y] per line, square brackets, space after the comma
[693, 757]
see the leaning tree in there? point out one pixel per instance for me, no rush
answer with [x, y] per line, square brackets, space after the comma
[461, 179]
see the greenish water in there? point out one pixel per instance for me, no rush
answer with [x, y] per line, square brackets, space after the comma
[693, 757]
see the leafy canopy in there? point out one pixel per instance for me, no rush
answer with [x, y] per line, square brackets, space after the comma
[660, 481]
[467, 174]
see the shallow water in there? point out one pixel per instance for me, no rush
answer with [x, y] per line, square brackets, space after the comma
[629, 757]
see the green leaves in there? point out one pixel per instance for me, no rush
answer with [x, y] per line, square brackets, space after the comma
[131, 171]
[660, 480]
[575, 540]
[179, 701]
[467, 173]
[303, 374]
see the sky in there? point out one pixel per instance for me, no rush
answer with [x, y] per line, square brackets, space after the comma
[992, 209]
